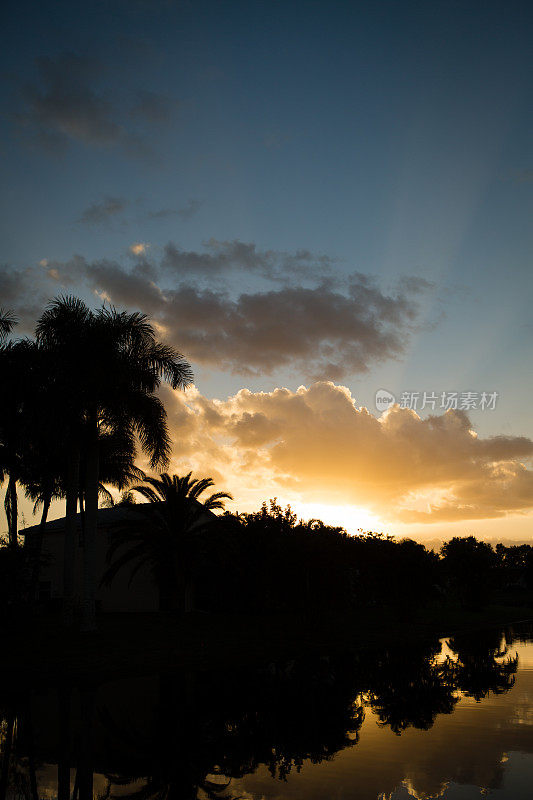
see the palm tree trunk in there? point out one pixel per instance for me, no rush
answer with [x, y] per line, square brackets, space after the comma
[30, 737]
[92, 470]
[69, 545]
[82, 516]
[11, 506]
[63, 759]
[37, 548]
[85, 764]
[6, 758]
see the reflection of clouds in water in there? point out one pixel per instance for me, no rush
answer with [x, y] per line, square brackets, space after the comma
[515, 784]
[407, 791]
[413, 792]
[523, 711]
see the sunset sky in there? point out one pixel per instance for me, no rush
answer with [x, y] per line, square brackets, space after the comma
[313, 201]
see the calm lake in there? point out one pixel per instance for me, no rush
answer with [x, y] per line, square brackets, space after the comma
[442, 719]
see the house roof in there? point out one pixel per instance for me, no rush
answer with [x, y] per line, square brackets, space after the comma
[107, 518]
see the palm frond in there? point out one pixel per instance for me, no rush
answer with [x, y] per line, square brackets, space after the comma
[7, 322]
[120, 562]
[215, 500]
[149, 418]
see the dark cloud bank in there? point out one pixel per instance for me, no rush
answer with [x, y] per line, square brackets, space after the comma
[307, 320]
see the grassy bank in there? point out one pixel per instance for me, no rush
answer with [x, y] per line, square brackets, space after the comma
[137, 643]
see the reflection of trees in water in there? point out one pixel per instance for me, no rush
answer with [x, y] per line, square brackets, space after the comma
[301, 712]
[411, 690]
[203, 729]
[18, 769]
[229, 725]
[483, 664]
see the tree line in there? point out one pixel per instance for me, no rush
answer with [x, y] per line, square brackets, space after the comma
[280, 563]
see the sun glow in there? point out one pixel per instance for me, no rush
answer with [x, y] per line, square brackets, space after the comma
[352, 518]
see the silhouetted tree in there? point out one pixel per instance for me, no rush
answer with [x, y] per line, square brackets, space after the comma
[470, 569]
[63, 331]
[168, 535]
[20, 367]
[108, 343]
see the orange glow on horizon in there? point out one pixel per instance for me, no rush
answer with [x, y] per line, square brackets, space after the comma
[352, 518]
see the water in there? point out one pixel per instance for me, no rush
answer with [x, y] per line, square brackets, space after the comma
[450, 719]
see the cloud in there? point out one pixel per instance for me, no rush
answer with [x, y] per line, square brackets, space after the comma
[319, 331]
[138, 248]
[11, 284]
[64, 106]
[187, 212]
[23, 291]
[223, 256]
[323, 329]
[190, 209]
[68, 104]
[316, 330]
[102, 212]
[316, 445]
[110, 208]
[140, 291]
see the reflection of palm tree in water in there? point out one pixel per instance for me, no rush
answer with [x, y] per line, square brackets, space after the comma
[179, 758]
[18, 776]
[202, 739]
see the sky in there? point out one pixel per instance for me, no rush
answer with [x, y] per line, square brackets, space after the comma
[314, 201]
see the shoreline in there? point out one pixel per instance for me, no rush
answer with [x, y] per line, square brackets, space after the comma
[130, 643]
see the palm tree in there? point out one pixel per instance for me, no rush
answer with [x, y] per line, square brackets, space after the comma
[7, 321]
[138, 363]
[111, 366]
[19, 367]
[167, 537]
[63, 332]
[45, 481]
[117, 467]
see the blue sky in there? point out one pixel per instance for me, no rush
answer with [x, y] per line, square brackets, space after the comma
[393, 138]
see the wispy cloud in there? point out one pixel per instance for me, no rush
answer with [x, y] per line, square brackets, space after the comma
[188, 211]
[103, 211]
[221, 257]
[69, 103]
[111, 207]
